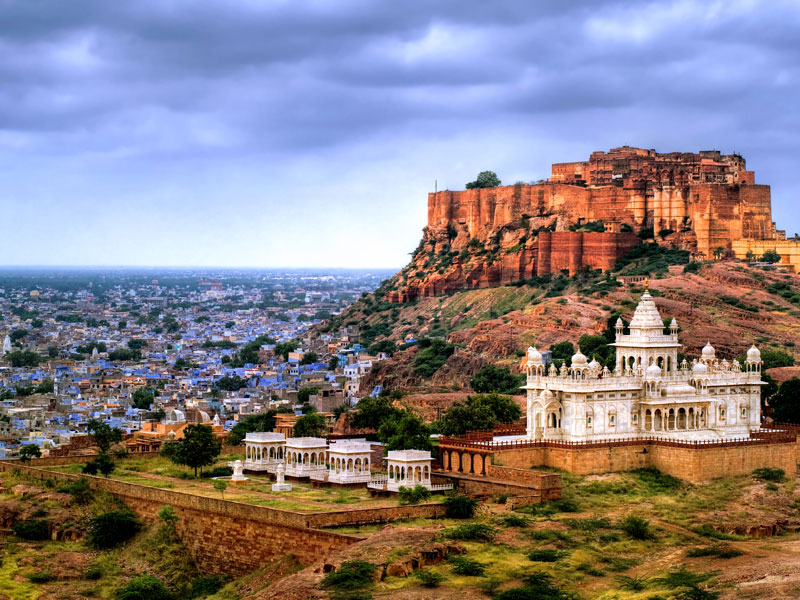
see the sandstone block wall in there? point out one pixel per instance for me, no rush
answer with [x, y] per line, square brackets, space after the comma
[691, 464]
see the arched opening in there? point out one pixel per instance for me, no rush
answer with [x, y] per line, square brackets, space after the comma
[682, 418]
[671, 420]
[659, 420]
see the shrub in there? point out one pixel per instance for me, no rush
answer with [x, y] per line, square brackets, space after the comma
[590, 570]
[217, 472]
[514, 521]
[40, 577]
[203, 587]
[431, 357]
[94, 572]
[459, 507]
[112, 528]
[637, 528]
[33, 529]
[472, 531]
[462, 565]
[545, 555]
[589, 524]
[656, 481]
[415, 495]
[715, 551]
[768, 474]
[351, 575]
[143, 588]
[633, 584]
[708, 531]
[429, 579]
[682, 577]
[538, 586]
[79, 490]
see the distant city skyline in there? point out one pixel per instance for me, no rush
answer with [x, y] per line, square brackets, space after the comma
[299, 134]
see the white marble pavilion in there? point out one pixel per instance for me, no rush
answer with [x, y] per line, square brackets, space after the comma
[349, 462]
[264, 451]
[305, 456]
[648, 394]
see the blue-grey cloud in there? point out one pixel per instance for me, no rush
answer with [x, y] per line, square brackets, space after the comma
[269, 132]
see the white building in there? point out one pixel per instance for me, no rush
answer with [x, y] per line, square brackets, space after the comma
[408, 468]
[305, 456]
[648, 394]
[264, 451]
[349, 462]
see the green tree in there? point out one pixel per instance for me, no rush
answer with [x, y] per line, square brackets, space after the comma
[143, 398]
[47, 386]
[304, 394]
[136, 344]
[312, 425]
[485, 179]
[221, 485]
[230, 383]
[23, 358]
[333, 363]
[253, 423]
[308, 358]
[405, 432]
[562, 351]
[199, 448]
[370, 413]
[496, 379]
[104, 435]
[770, 256]
[29, 451]
[481, 412]
[785, 403]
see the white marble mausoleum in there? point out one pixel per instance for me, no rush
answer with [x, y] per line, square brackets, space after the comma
[648, 394]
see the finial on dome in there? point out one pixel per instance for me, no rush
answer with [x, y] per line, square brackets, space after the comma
[647, 284]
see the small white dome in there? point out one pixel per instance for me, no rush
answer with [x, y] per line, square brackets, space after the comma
[619, 323]
[699, 368]
[595, 365]
[579, 360]
[653, 371]
[546, 395]
[708, 351]
[753, 354]
[673, 324]
[534, 355]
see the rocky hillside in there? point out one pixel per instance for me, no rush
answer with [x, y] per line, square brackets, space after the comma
[730, 304]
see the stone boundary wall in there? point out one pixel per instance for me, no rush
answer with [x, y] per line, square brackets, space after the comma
[234, 538]
[534, 478]
[52, 461]
[548, 489]
[691, 464]
[367, 516]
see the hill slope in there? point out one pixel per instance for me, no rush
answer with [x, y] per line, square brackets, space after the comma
[730, 304]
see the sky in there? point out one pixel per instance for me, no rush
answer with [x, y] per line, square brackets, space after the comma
[271, 133]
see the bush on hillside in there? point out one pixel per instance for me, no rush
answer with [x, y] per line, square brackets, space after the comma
[113, 528]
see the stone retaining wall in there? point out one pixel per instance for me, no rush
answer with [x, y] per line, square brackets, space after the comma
[234, 538]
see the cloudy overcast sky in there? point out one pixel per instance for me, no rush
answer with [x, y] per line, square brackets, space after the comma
[308, 133]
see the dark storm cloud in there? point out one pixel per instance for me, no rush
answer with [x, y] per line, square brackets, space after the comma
[88, 87]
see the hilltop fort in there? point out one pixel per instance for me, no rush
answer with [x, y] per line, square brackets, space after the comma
[589, 214]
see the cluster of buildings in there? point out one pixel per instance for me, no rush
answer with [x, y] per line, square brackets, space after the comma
[208, 349]
[342, 463]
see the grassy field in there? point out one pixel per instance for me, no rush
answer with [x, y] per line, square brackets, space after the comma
[161, 473]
